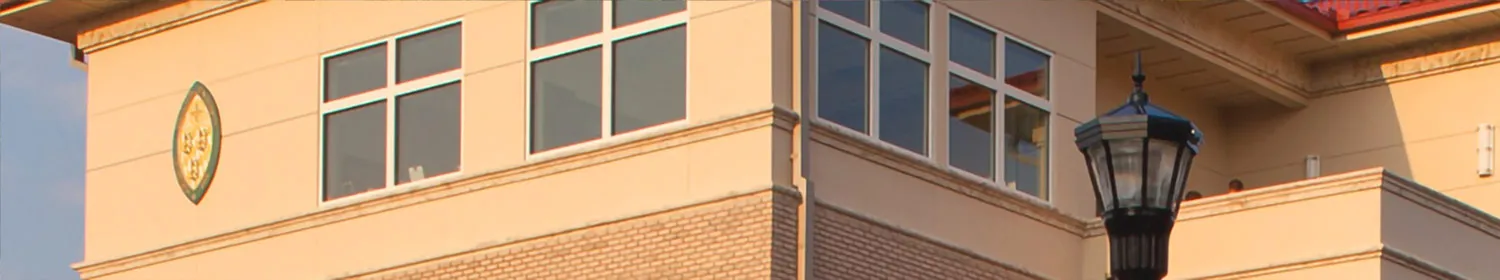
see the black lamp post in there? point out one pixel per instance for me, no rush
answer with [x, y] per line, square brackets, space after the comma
[1138, 156]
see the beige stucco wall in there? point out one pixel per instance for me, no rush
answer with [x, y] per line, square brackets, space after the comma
[1422, 128]
[265, 79]
[1274, 235]
[1393, 270]
[1421, 230]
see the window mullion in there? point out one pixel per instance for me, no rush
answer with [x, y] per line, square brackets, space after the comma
[872, 97]
[606, 86]
[390, 113]
[1000, 59]
[390, 142]
[997, 105]
[607, 101]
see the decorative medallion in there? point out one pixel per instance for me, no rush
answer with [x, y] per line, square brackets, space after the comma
[195, 142]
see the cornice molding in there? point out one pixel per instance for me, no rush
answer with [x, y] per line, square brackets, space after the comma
[1411, 62]
[1442, 204]
[863, 147]
[484, 180]
[1418, 264]
[1382, 252]
[142, 21]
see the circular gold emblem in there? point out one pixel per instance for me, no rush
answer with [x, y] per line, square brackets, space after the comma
[195, 143]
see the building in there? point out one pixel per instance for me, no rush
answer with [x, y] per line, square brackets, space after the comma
[678, 140]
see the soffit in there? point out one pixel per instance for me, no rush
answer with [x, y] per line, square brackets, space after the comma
[59, 19]
[1169, 66]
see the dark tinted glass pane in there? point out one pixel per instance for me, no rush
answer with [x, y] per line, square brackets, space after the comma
[1026, 148]
[971, 134]
[566, 93]
[1026, 68]
[632, 11]
[650, 84]
[906, 20]
[856, 10]
[559, 20]
[427, 133]
[971, 46]
[354, 72]
[354, 150]
[843, 67]
[903, 101]
[429, 53]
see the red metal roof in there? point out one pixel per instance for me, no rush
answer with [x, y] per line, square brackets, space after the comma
[1344, 16]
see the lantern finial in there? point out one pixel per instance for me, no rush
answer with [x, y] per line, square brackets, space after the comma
[1138, 96]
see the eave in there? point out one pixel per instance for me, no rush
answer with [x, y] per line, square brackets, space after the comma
[1343, 17]
[56, 19]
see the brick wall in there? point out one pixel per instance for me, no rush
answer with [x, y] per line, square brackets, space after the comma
[748, 237]
[849, 247]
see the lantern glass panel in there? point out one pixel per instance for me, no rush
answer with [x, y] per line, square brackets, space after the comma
[1125, 155]
[1103, 181]
[1184, 161]
[1161, 162]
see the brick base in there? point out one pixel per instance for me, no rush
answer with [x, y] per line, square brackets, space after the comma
[748, 237]
[849, 247]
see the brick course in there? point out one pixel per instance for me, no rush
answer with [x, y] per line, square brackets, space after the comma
[748, 237]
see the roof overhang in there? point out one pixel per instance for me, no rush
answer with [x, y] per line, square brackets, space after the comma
[56, 19]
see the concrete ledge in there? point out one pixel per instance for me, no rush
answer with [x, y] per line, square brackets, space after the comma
[1383, 252]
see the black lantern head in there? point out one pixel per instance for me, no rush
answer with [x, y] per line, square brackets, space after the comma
[1139, 156]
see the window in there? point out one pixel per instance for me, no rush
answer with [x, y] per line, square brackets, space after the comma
[1019, 90]
[390, 112]
[971, 133]
[576, 95]
[873, 69]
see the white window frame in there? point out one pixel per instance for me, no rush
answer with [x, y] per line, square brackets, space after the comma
[1003, 90]
[389, 93]
[605, 40]
[878, 39]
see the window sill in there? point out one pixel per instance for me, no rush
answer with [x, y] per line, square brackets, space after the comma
[610, 141]
[393, 190]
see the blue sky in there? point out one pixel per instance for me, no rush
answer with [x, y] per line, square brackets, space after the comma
[41, 157]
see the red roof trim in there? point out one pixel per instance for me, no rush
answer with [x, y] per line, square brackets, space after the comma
[1345, 16]
[1307, 14]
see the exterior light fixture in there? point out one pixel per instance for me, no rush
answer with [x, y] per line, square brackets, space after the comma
[1138, 156]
